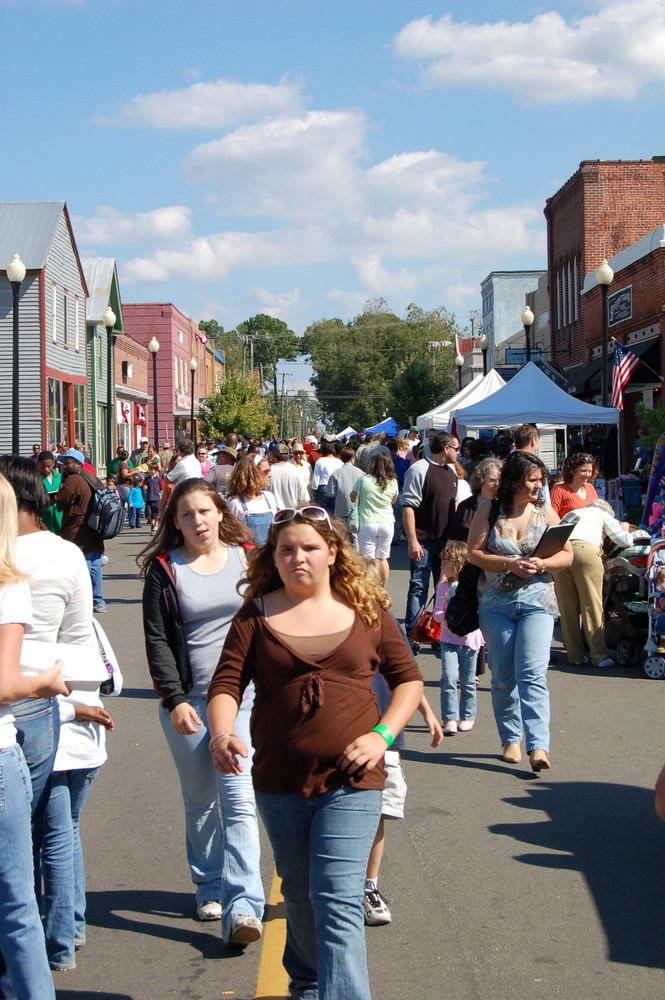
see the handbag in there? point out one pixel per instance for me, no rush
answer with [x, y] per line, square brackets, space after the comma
[113, 685]
[353, 522]
[462, 610]
[425, 628]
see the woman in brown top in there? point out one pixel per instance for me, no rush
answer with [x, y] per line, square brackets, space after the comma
[313, 630]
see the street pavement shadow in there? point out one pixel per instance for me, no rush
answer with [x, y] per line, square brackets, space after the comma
[99, 995]
[611, 835]
[138, 693]
[477, 761]
[157, 914]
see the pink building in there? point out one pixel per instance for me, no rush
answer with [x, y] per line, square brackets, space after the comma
[179, 341]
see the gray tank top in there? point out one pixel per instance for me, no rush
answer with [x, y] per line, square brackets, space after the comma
[208, 603]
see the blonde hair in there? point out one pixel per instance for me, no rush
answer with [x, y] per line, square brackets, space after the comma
[456, 554]
[348, 574]
[9, 573]
[374, 569]
[246, 480]
[660, 575]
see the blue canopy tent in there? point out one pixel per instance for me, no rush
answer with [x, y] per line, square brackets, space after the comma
[388, 425]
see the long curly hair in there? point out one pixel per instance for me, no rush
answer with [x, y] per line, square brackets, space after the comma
[382, 469]
[246, 480]
[516, 467]
[348, 576]
[231, 530]
[573, 462]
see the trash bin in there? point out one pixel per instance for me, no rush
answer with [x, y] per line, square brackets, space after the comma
[631, 492]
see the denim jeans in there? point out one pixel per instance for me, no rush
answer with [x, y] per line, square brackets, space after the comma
[458, 663]
[62, 863]
[21, 934]
[321, 846]
[223, 855]
[94, 561]
[518, 638]
[429, 565]
[134, 518]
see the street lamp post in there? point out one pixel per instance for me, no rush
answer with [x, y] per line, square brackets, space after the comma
[153, 347]
[604, 277]
[193, 365]
[527, 323]
[108, 319]
[483, 344]
[16, 274]
[459, 361]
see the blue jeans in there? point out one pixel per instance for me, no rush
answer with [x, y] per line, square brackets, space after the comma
[429, 565]
[223, 856]
[62, 863]
[21, 934]
[458, 663]
[94, 561]
[321, 846]
[518, 638]
[134, 519]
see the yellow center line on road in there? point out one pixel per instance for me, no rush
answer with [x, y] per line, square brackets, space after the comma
[273, 982]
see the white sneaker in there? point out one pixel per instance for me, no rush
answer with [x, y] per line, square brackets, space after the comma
[245, 929]
[465, 725]
[450, 727]
[609, 662]
[376, 908]
[211, 909]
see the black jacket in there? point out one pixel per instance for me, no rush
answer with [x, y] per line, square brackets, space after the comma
[165, 637]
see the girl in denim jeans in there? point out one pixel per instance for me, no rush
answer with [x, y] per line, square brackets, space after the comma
[459, 653]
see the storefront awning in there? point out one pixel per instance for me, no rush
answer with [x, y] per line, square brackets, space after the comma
[585, 381]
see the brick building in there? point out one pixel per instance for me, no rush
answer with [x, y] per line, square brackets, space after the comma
[133, 393]
[604, 208]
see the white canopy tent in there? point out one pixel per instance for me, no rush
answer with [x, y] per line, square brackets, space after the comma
[532, 398]
[482, 386]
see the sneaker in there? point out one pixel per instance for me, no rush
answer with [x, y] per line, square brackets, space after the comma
[210, 909]
[99, 609]
[609, 662]
[465, 725]
[450, 727]
[376, 908]
[578, 663]
[245, 929]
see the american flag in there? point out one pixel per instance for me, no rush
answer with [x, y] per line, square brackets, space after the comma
[200, 335]
[625, 363]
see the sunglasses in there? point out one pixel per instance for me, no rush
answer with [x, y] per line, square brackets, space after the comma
[311, 512]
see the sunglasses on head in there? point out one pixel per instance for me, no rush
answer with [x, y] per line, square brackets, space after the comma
[311, 512]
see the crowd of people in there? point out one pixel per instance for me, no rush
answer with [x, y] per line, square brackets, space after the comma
[266, 624]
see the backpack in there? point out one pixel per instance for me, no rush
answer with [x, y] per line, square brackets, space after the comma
[107, 514]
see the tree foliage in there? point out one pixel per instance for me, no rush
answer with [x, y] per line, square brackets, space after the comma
[238, 405]
[228, 342]
[358, 364]
[273, 341]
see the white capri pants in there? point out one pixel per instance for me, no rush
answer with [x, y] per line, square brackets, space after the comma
[374, 539]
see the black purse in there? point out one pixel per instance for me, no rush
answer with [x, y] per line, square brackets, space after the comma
[462, 610]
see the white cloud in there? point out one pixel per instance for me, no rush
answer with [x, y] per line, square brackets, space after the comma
[215, 105]
[288, 167]
[109, 225]
[613, 52]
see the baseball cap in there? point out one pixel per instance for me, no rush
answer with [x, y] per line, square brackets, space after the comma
[281, 449]
[73, 453]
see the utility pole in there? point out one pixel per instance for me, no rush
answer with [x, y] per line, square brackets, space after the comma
[251, 355]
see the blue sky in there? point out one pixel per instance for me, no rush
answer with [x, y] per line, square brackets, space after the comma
[299, 157]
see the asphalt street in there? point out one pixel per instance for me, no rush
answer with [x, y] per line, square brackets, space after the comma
[501, 884]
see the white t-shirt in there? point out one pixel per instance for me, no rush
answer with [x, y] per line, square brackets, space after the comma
[323, 470]
[188, 467]
[15, 609]
[264, 503]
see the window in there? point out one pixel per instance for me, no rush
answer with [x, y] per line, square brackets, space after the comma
[65, 320]
[54, 316]
[80, 422]
[77, 341]
[57, 430]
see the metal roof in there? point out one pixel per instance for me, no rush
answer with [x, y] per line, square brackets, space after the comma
[99, 273]
[27, 228]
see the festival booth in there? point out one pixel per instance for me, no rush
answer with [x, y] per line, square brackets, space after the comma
[482, 386]
[532, 398]
[346, 433]
[387, 426]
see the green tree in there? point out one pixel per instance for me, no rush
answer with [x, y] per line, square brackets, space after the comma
[227, 341]
[356, 364]
[416, 389]
[238, 405]
[272, 341]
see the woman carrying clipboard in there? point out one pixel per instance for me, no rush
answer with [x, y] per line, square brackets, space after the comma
[518, 606]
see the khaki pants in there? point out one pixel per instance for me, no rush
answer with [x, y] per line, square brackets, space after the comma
[579, 592]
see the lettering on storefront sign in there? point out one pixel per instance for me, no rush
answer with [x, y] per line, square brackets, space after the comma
[620, 305]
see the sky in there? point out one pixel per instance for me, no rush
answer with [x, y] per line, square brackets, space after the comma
[301, 157]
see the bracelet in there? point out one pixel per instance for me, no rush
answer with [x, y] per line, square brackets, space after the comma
[217, 739]
[385, 733]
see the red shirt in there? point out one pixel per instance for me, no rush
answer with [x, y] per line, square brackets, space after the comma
[564, 498]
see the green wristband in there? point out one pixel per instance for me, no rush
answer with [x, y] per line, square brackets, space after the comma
[385, 733]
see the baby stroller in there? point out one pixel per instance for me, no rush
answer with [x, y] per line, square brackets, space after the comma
[625, 604]
[654, 664]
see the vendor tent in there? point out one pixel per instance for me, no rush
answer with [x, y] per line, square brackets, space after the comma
[482, 386]
[389, 426]
[347, 432]
[532, 398]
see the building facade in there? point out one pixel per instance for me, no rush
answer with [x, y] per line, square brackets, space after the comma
[503, 295]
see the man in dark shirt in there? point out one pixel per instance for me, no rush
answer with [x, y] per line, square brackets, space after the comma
[428, 498]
